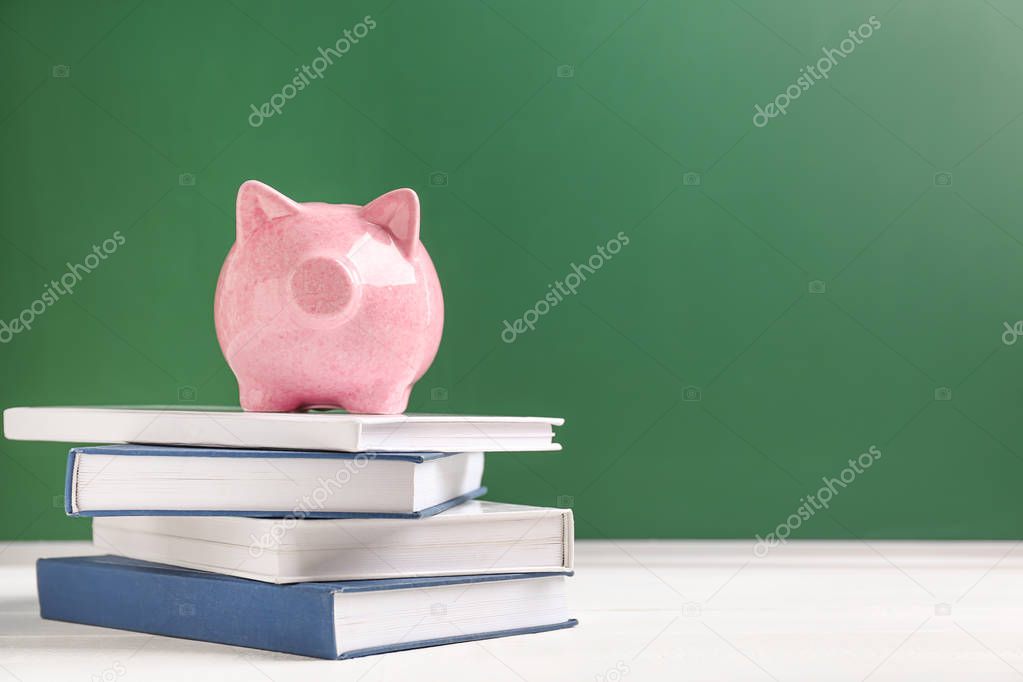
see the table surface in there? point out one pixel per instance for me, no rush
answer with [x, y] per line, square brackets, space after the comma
[648, 610]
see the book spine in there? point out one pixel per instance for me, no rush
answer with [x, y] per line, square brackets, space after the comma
[71, 482]
[568, 529]
[250, 614]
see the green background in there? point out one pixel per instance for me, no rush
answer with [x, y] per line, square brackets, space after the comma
[894, 184]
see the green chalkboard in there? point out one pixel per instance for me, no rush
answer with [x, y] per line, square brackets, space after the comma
[781, 234]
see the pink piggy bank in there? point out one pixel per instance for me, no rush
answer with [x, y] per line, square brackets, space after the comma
[327, 304]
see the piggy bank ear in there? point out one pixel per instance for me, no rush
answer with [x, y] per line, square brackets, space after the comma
[398, 213]
[258, 205]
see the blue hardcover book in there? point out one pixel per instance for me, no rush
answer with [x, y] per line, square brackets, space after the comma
[333, 620]
[147, 480]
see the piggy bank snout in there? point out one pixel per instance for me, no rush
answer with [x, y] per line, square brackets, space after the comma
[324, 290]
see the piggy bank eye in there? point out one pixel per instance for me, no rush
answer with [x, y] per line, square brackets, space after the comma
[322, 286]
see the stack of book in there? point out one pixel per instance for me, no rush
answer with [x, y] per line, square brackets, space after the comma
[323, 534]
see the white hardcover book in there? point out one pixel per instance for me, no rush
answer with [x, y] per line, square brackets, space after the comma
[337, 431]
[475, 538]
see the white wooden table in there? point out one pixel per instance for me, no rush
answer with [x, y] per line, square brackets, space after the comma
[647, 611]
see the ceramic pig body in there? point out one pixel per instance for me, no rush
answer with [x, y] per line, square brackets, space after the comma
[327, 304]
